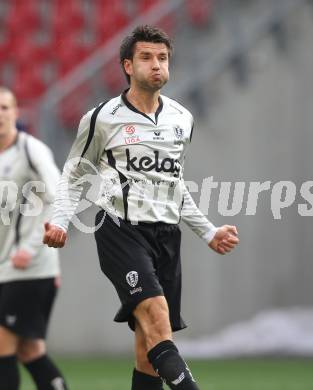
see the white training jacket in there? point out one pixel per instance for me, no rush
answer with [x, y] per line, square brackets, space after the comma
[133, 164]
[28, 180]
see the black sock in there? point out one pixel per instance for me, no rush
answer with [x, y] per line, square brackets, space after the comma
[167, 362]
[9, 374]
[143, 381]
[45, 374]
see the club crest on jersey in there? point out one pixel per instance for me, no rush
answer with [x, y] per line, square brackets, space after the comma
[132, 278]
[179, 132]
[147, 164]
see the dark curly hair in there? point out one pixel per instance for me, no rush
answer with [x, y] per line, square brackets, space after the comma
[142, 34]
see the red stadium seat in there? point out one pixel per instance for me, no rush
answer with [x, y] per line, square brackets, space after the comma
[113, 77]
[67, 18]
[68, 53]
[110, 17]
[4, 49]
[73, 106]
[20, 49]
[22, 16]
[28, 83]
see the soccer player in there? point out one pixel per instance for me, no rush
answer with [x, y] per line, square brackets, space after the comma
[29, 271]
[137, 142]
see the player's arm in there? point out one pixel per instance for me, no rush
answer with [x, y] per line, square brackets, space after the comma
[43, 172]
[221, 239]
[85, 153]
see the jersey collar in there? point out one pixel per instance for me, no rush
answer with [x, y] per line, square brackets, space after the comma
[131, 107]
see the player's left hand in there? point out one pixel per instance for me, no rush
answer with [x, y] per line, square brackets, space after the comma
[21, 259]
[225, 239]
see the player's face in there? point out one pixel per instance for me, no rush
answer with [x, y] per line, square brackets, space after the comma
[149, 67]
[8, 113]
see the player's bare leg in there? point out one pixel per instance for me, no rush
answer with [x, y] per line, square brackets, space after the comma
[142, 362]
[32, 353]
[144, 376]
[29, 350]
[153, 317]
[8, 342]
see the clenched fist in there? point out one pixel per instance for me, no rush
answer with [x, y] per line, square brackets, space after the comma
[54, 236]
[21, 259]
[225, 239]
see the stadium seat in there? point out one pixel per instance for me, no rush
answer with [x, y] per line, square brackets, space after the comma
[73, 106]
[28, 83]
[4, 48]
[110, 17]
[67, 18]
[20, 49]
[68, 53]
[22, 16]
[113, 77]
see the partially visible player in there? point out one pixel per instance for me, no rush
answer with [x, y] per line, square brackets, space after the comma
[29, 271]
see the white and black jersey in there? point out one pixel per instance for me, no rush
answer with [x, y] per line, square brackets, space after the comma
[134, 163]
[28, 180]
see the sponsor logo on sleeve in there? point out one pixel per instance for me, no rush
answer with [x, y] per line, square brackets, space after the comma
[116, 108]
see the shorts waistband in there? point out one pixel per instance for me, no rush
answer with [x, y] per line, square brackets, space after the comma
[159, 225]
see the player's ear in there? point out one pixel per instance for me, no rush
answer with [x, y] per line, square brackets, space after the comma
[128, 66]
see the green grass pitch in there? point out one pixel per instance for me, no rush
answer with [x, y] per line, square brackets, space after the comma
[243, 374]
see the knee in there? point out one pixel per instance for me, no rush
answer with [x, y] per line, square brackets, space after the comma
[29, 350]
[8, 342]
[153, 317]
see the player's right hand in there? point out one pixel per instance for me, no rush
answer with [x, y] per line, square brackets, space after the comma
[54, 236]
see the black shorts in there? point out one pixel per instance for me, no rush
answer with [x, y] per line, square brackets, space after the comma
[25, 306]
[142, 261]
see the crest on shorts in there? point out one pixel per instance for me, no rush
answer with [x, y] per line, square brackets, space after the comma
[179, 132]
[10, 319]
[132, 278]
